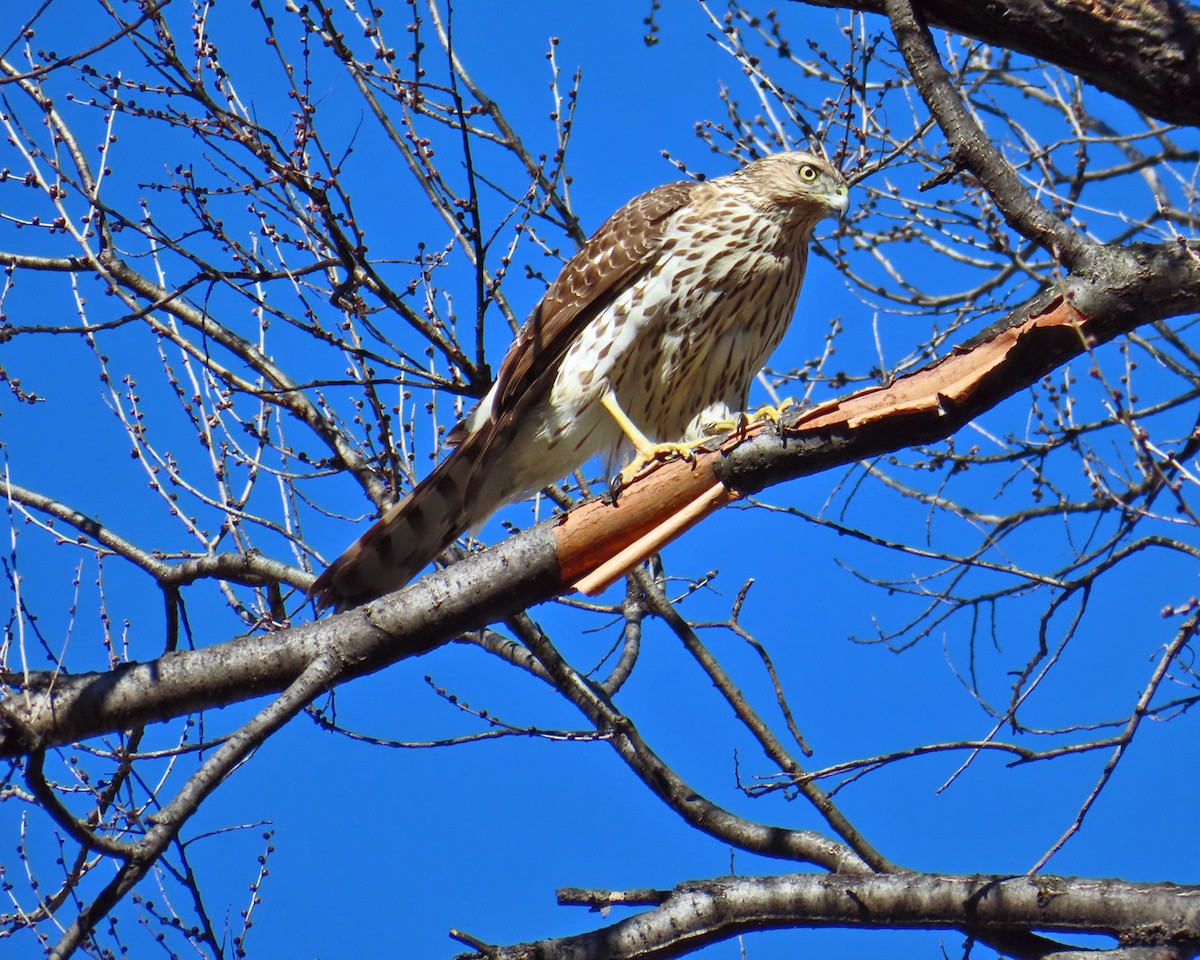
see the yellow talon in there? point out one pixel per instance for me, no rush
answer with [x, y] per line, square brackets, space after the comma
[659, 451]
[765, 412]
[772, 413]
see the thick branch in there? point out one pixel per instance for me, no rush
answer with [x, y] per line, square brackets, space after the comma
[1157, 915]
[1144, 52]
[49, 708]
[970, 147]
[1116, 291]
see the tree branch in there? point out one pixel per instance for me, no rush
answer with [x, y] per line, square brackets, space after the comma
[1144, 53]
[1129, 288]
[1162, 916]
[970, 147]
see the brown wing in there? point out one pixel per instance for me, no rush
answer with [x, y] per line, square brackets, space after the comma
[613, 257]
[625, 247]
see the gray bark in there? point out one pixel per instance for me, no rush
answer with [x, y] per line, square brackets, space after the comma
[1115, 290]
[1143, 51]
[1152, 921]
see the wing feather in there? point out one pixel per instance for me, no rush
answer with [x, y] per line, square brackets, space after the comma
[624, 247]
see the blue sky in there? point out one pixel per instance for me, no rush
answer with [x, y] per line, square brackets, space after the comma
[382, 851]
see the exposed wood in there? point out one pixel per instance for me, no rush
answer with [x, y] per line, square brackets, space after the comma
[1123, 290]
[600, 541]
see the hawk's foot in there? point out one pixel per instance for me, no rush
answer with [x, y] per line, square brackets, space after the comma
[653, 452]
[769, 412]
[647, 451]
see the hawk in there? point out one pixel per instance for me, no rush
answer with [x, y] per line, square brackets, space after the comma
[654, 329]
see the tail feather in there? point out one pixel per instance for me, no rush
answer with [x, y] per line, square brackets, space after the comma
[411, 534]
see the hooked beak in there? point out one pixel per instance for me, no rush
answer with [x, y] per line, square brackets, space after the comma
[837, 202]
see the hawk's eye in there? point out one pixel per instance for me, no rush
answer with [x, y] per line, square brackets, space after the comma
[808, 173]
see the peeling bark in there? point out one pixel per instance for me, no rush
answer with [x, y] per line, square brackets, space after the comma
[1116, 291]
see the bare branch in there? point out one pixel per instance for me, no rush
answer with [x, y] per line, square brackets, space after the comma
[703, 912]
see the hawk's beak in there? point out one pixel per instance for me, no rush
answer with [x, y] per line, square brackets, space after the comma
[838, 202]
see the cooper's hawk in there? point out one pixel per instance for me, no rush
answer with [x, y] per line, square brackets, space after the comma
[654, 329]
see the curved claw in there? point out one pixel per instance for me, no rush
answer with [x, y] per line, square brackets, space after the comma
[773, 413]
[657, 451]
[769, 412]
[647, 450]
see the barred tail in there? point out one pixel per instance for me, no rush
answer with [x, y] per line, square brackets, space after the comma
[411, 534]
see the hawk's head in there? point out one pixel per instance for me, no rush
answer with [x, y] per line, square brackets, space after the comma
[803, 185]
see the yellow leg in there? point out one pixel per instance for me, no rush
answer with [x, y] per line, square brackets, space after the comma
[647, 451]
